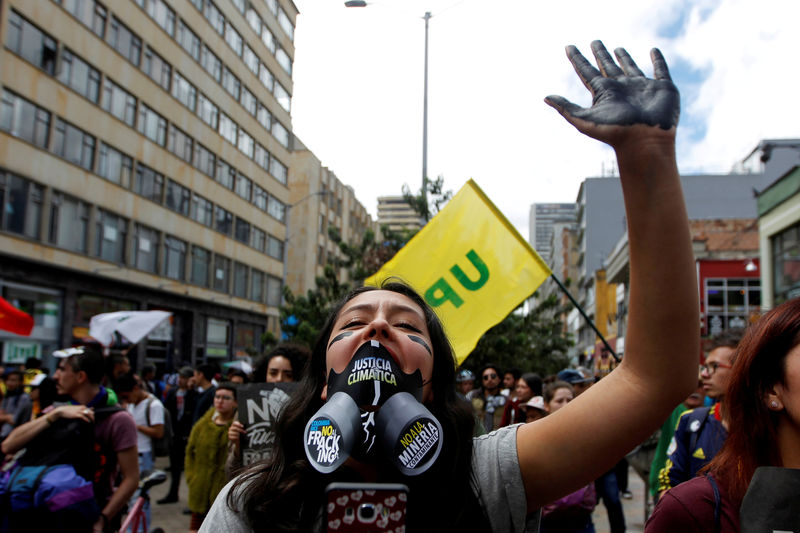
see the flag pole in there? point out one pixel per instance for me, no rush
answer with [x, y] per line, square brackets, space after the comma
[584, 315]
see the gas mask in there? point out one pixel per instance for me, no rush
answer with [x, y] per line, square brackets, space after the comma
[373, 408]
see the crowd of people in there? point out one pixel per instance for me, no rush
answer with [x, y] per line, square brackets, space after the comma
[379, 398]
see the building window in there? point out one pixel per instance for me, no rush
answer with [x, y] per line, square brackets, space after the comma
[69, 222]
[273, 6]
[125, 41]
[256, 285]
[249, 101]
[242, 233]
[189, 40]
[253, 19]
[283, 97]
[260, 198]
[321, 255]
[211, 63]
[266, 77]
[223, 220]
[180, 144]
[145, 246]
[217, 338]
[276, 208]
[233, 38]
[184, 91]
[243, 186]
[110, 238]
[226, 174]
[786, 264]
[174, 258]
[201, 266]
[284, 60]
[240, 280]
[73, 144]
[79, 76]
[275, 248]
[157, 68]
[259, 240]
[286, 24]
[204, 160]
[149, 183]
[280, 133]
[273, 291]
[264, 117]
[178, 198]
[278, 170]
[92, 14]
[152, 125]
[24, 119]
[268, 38]
[20, 205]
[231, 83]
[261, 157]
[31, 43]
[202, 210]
[730, 303]
[162, 14]
[214, 17]
[207, 111]
[246, 144]
[250, 59]
[240, 5]
[119, 102]
[222, 273]
[227, 128]
[114, 166]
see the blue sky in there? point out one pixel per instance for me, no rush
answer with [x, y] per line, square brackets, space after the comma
[358, 88]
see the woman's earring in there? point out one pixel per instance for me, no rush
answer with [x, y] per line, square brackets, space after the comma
[773, 404]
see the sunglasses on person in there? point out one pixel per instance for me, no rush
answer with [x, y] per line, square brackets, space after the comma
[489, 376]
[711, 368]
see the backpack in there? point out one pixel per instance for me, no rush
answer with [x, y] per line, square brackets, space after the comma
[51, 487]
[162, 446]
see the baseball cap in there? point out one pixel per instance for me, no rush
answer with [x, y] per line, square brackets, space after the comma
[464, 375]
[572, 376]
[537, 402]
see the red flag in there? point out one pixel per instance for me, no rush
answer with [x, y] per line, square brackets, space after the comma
[14, 320]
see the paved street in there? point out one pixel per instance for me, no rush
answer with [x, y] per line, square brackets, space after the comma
[171, 518]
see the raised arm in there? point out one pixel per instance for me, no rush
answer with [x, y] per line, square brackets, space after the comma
[637, 116]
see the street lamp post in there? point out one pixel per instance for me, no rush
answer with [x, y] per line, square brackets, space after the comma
[426, 18]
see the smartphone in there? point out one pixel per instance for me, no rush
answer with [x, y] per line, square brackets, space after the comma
[366, 507]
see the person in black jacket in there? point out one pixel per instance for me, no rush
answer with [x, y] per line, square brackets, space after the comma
[180, 404]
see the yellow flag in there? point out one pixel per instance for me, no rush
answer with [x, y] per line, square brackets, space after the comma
[471, 266]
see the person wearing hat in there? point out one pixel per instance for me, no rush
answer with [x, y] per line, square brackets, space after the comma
[180, 405]
[465, 382]
[535, 409]
[580, 379]
[79, 374]
[15, 408]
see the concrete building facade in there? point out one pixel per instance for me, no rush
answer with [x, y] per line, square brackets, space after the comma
[320, 204]
[542, 222]
[144, 164]
[394, 212]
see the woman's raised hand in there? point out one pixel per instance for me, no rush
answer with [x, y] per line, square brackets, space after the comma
[622, 97]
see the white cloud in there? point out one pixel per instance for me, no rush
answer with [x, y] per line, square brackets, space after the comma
[358, 89]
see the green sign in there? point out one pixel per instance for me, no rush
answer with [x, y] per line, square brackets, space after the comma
[17, 352]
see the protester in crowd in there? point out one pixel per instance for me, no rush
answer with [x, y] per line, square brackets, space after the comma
[580, 378]
[498, 481]
[180, 404]
[666, 433]
[203, 375]
[764, 387]
[528, 386]
[33, 368]
[206, 453]
[43, 394]
[488, 400]
[117, 365]
[535, 409]
[283, 364]
[465, 382]
[148, 413]
[603, 363]
[701, 432]
[572, 513]
[79, 373]
[510, 378]
[16, 406]
[237, 376]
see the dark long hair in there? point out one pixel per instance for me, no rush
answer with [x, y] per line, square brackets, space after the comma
[288, 494]
[752, 432]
